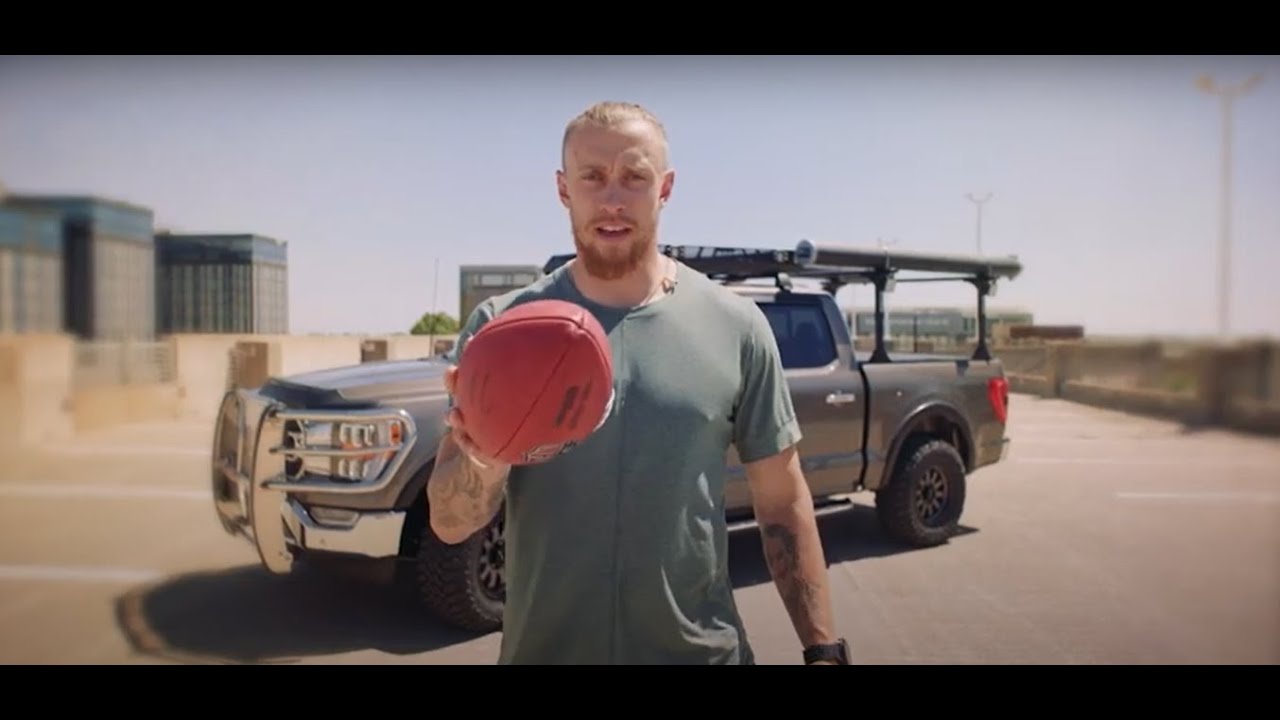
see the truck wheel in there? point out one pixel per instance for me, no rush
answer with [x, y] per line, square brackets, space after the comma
[465, 584]
[922, 503]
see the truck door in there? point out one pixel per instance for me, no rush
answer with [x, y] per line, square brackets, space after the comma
[827, 391]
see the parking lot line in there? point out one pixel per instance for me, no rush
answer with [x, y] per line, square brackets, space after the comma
[109, 492]
[1203, 495]
[129, 450]
[1144, 462]
[63, 573]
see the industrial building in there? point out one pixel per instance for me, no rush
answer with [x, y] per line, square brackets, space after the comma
[107, 265]
[221, 283]
[479, 282]
[30, 271]
[935, 324]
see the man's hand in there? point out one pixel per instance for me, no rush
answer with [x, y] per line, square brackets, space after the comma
[458, 430]
[466, 488]
[792, 546]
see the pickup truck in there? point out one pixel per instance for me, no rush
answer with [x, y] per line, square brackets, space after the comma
[333, 464]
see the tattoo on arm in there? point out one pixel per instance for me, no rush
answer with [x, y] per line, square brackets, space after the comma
[800, 594]
[459, 493]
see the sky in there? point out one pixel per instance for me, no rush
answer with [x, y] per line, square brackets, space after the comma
[1105, 172]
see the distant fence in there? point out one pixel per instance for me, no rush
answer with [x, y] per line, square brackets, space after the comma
[98, 363]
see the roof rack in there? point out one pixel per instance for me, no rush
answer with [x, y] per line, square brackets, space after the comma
[718, 261]
[840, 265]
[881, 266]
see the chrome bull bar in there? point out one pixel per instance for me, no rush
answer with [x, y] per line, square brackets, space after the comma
[252, 488]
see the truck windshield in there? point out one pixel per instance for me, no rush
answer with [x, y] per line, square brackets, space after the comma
[804, 337]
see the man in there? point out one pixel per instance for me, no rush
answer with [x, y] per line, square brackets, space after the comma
[616, 548]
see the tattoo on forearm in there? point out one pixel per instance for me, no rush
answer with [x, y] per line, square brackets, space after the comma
[458, 492]
[799, 593]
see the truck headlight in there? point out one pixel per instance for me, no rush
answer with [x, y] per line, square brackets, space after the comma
[383, 439]
[334, 448]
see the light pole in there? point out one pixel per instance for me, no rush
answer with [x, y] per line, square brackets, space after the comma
[1227, 94]
[978, 202]
[435, 294]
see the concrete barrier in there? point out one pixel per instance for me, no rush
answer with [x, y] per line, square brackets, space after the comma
[35, 389]
[1183, 407]
[110, 405]
[1235, 386]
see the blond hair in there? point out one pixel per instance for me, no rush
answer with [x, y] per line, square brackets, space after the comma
[611, 114]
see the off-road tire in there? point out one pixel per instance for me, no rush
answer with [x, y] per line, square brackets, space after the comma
[456, 582]
[922, 504]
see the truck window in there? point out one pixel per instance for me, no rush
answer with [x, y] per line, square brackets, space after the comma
[804, 337]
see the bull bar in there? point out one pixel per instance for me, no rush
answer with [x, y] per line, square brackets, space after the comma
[255, 490]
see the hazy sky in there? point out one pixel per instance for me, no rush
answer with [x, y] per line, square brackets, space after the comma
[1105, 171]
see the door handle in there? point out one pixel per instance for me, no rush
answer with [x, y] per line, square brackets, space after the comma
[841, 398]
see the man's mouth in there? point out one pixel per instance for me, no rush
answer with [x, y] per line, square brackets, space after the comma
[612, 232]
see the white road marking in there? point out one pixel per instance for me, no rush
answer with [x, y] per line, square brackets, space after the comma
[1207, 495]
[64, 573]
[1148, 462]
[130, 450]
[112, 492]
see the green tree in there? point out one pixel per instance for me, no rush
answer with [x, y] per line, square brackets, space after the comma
[435, 324]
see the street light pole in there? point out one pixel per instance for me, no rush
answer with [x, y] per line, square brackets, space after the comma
[1227, 94]
[979, 202]
[435, 294]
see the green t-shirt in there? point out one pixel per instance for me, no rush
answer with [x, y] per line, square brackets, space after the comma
[616, 549]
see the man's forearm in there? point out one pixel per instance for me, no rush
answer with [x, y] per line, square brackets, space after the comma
[462, 496]
[793, 551]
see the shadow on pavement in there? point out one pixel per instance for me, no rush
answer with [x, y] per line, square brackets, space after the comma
[248, 615]
[849, 534]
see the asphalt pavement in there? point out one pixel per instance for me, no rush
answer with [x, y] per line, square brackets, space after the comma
[1102, 539]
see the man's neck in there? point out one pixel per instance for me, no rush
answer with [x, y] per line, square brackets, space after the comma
[630, 290]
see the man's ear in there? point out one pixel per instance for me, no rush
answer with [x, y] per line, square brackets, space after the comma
[668, 182]
[562, 188]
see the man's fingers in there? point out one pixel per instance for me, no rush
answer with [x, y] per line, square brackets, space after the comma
[459, 431]
[450, 378]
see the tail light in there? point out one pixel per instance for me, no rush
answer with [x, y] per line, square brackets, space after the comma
[998, 394]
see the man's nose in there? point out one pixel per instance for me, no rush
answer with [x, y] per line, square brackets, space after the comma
[612, 198]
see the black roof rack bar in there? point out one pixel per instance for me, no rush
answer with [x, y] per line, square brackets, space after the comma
[810, 260]
[714, 260]
[945, 278]
[832, 256]
[838, 265]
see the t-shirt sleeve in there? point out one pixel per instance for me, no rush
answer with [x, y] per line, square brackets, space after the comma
[765, 420]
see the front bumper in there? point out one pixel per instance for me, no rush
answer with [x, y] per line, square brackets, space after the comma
[256, 498]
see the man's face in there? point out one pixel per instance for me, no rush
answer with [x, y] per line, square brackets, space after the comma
[614, 183]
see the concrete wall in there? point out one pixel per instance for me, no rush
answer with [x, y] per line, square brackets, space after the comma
[35, 389]
[206, 364]
[1235, 386]
[44, 399]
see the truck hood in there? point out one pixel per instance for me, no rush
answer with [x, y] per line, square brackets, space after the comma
[379, 381]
